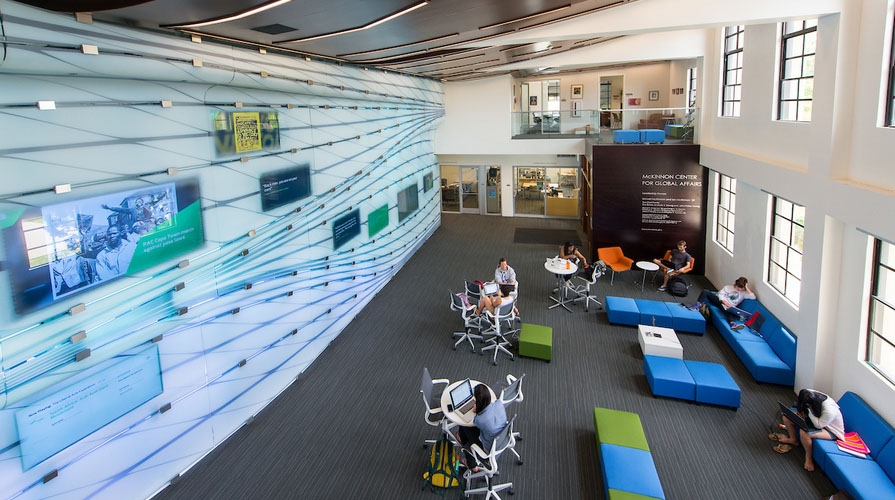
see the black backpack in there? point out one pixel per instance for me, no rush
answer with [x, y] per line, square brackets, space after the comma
[678, 287]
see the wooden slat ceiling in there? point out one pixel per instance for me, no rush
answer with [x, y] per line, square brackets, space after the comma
[430, 40]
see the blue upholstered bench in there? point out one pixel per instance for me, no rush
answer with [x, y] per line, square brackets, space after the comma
[698, 381]
[648, 135]
[625, 136]
[629, 470]
[627, 311]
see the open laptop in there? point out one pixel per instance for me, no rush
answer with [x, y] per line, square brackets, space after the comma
[800, 422]
[461, 397]
[490, 288]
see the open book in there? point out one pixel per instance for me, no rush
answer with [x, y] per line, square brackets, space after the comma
[853, 444]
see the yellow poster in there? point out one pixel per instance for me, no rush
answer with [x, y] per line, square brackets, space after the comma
[247, 131]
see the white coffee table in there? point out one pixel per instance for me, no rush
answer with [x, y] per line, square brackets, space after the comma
[646, 266]
[659, 341]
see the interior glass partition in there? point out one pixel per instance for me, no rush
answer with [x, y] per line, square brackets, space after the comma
[551, 192]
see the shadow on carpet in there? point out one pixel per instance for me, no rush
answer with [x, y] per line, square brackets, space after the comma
[545, 236]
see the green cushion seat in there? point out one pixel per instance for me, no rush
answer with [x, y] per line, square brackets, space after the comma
[626, 495]
[620, 428]
[536, 341]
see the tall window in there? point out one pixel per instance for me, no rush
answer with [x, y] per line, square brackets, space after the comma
[726, 208]
[732, 84]
[605, 95]
[798, 46]
[691, 87]
[881, 323]
[890, 100]
[785, 253]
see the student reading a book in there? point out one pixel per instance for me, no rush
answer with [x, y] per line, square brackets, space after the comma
[727, 299]
[822, 412]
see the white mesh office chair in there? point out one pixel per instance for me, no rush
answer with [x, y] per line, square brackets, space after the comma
[487, 464]
[513, 391]
[583, 290]
[431, 391]
[501, 326]
[470, 321]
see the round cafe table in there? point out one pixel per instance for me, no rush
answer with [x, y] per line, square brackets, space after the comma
[646, 266]
[560, 267]
[464, 419]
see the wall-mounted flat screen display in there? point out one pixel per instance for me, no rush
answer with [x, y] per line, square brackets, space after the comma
[245, 131]
[377, 220]
[408, 201]
[345, 228]
[56, 251]
[285, 186]
[428, 182]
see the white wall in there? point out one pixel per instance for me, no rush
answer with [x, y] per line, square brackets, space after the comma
[838, 167]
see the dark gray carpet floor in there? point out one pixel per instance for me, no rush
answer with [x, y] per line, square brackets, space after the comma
[332, 434]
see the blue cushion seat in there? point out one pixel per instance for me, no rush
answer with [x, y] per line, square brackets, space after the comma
[652, 135]
[625, 136]
[654, 313]
[714, 385]
[622, 310]
[669, 377]
[684, 319]
[629, 469]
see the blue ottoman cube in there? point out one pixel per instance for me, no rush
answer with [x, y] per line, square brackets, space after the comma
[629, 469]
[625, 136]
[652, 135]
[669, 377]
[622, 310]
[686, 320]
[653, 312]
[713, 384]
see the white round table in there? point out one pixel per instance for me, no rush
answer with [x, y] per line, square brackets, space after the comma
[560, 267]
[646, 266]
[464, 419]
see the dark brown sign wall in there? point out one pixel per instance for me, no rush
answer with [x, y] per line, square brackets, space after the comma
[646, 198]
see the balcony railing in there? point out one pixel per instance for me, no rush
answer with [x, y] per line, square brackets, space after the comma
[678, 125]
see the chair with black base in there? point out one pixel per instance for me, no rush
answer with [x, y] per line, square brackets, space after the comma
[487, 464]
[471, 321]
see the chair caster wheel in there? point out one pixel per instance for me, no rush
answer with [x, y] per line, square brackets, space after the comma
[511, 491]
[518, 462]
[495, 363]
[455, 348]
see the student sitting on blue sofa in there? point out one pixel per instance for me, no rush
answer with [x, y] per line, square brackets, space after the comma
[823, 413]
[727, 299]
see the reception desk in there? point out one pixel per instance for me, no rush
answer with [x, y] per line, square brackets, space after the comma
[563, 207]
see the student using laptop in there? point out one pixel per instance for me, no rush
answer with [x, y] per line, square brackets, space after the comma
[822, 412]
[727, 299]
[490, 419]
[494, 300]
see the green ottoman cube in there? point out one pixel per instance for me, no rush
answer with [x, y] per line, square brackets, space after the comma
[536, 341]
[621, 428]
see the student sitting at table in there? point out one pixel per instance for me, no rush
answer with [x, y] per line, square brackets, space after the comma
[569, 252]
[494, 301]
[504, 274]
[490, 418]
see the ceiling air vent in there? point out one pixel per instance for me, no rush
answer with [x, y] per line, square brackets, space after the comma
[274, 29]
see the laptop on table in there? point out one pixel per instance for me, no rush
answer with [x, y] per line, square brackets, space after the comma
[461, 397]
[490, 288]
[796, 419]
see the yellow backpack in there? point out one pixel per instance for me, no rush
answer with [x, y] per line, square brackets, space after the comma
[443, 470]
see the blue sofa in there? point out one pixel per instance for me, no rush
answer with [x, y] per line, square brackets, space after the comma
[862, 478]
[771, 356]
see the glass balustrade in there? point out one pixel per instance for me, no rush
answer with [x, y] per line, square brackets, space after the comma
[610, 126]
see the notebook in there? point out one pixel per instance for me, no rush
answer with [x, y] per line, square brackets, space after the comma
[490, 288]
[801, 423]
[461, 397]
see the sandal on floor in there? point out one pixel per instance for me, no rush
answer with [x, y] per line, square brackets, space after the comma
[775, 437]
[783, 448]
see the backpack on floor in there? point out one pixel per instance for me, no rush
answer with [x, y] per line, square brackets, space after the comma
[678, 287]
[443, 467]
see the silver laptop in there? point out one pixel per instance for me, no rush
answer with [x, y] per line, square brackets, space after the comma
[490, 288]
[461, 397]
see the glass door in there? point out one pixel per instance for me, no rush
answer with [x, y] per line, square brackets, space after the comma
[469, 190]
[529, 184]
[492, 187]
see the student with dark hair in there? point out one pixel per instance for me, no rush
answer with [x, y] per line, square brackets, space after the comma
[569, 252]
[822, 412]
[504, 274]
[727, 299]
[679, 262]
[490, 418]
